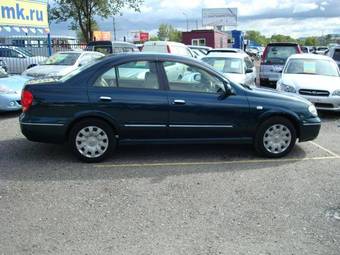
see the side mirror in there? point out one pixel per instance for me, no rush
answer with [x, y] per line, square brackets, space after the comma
[21, 56]
[226, 92]
[249, 70]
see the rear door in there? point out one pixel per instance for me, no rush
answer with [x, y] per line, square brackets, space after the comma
[196, 110]
[131, 94]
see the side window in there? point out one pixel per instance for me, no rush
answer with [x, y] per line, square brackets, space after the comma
[182, 77]
[14, 54]
[5, 53]
[138, 74]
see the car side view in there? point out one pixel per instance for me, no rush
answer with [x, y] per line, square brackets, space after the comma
[131, 99]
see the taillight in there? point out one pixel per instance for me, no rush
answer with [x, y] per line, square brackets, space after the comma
[264, 55]
[168, 48]
[26, 100]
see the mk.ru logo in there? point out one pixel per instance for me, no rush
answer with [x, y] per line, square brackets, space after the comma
[8, 12]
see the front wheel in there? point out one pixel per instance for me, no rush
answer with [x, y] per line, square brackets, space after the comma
[92, 140]
[275, 137]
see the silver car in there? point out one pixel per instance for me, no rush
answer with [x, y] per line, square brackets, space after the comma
[18, 59]
[314, 77]
[334, 53]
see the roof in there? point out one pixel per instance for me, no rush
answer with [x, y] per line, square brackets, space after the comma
[310, 56]
[226, 55]
[282, 44]
[226, 50]
[162, 43]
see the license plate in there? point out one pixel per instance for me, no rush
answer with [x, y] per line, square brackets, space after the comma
[277, 68]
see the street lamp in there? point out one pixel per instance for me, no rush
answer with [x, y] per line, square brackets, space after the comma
[186, 16]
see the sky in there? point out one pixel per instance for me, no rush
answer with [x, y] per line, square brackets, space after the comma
[297, 18]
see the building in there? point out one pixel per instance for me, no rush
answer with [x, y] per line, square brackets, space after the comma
[211, 38]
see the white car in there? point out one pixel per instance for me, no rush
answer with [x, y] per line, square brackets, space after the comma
[62, 63]
[168, 47]
[18, 59]
[314, 77]
[238, 67]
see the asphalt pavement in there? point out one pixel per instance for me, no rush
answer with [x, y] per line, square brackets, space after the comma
[183, 199]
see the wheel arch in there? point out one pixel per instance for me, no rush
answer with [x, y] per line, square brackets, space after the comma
[93, 115]
[285, 114]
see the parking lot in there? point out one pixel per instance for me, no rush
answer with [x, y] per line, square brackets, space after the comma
[190, 199]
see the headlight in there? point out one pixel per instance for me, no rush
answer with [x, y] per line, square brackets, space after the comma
[287, 88]
[313, 110]
[5, 90]
[336, 93]
[53, 74]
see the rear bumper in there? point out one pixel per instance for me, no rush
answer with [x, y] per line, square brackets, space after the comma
[43, 132]
[310, 130]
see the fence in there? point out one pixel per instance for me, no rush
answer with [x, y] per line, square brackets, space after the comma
[20, 53]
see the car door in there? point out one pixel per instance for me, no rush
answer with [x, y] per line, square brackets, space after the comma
[197, 109]
[131, 94]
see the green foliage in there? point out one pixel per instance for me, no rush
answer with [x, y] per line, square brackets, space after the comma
[256, 37]
[82, 12]
[168, 32]
[311, 41]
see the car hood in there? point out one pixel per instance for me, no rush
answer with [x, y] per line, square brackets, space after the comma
[315, 82]
[280, 95]
[236, 77]
[14, 82]
[45, 70]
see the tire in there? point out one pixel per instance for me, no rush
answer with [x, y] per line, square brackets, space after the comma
[92, 140]
[275, 137]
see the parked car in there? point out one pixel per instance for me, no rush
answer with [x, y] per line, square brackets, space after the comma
[334, 53]
[273, 60]
[100, 105]
[203, 49]
[236, 66]
[168, 47]
[109, 47]
[18, 59]
[305, 49]
[226, 50]
[61, 63]
[10, 91]
[321, 50]
[314, 77]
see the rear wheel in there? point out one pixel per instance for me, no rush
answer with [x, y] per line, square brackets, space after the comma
[92, 140]
[275, 137]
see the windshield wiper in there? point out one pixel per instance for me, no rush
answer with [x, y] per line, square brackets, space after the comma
[246, 86]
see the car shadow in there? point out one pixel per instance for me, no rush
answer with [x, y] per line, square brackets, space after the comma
[9, 115]
[26, 161]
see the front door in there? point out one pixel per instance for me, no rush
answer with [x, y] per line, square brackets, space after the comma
[131, 95]
[197, 109]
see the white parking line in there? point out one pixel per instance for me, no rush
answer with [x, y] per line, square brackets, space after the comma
[324, 149]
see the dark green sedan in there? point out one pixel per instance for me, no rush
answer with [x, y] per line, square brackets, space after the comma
[142, 98]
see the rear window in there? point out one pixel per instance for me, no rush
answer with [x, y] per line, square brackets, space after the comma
[336, 55]
[279, 54]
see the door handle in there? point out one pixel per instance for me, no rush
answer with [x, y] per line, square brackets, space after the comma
[179, 101]
[107, 99]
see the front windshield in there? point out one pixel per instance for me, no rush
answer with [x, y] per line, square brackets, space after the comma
[225, 65]
[65, 59]
[312, 67]
[3, 73]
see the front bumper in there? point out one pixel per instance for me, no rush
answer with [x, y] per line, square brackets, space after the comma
[329, 103]
[309, 129]
[10, 102]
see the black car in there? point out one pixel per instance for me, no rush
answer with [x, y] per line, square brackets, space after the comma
[142, 98]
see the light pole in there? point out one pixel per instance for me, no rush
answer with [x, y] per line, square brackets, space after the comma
[186, 16]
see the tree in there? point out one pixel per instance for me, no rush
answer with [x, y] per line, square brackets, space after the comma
[168, 32]
[257, 37]
[82, 12]
[311, 41]
[282, 38]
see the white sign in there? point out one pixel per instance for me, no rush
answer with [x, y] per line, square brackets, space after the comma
[219, 17]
